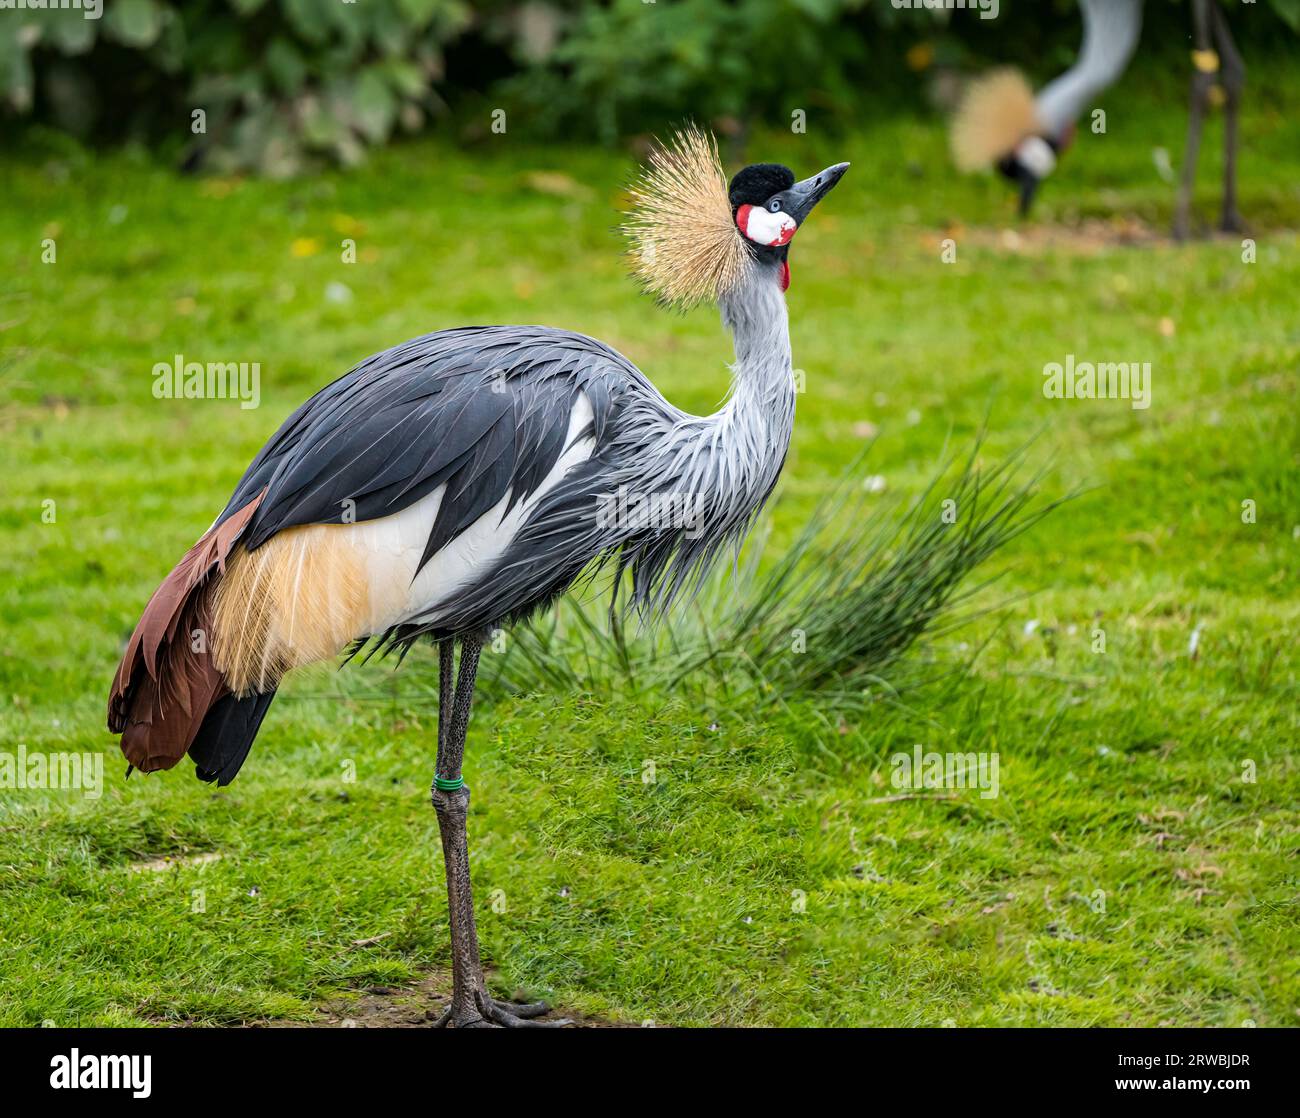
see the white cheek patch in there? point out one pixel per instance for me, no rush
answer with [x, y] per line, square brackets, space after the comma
[764, 227]
[1037, 155]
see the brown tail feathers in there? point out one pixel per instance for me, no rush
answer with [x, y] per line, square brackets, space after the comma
[167, 681]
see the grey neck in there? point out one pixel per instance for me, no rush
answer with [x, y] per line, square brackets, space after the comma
[760, 405]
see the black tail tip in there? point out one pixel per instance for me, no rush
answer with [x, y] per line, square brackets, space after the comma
[226, 735]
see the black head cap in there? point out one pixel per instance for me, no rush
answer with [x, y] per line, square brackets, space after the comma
[755, 184]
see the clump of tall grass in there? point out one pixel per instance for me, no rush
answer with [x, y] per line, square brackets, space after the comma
[829, 620]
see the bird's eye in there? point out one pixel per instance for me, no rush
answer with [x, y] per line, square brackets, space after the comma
[774, 205]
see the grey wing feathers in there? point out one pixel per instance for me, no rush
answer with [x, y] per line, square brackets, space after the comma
[484, 410]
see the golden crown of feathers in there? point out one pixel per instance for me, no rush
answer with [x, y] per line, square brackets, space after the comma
[684, 246]
[996, 112]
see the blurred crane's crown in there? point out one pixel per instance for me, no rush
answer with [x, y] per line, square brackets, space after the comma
[996, 113]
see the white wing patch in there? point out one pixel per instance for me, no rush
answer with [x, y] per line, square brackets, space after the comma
[399, 595]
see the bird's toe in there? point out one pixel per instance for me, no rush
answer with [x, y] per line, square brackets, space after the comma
[511, 1015]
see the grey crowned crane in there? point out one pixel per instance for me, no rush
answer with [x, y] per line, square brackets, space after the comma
[460, 482]
[1001, 123]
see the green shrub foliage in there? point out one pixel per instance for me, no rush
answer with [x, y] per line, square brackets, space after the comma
[260, 84]
[273, 85]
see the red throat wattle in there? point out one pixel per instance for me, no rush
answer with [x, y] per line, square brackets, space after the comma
[785, 275]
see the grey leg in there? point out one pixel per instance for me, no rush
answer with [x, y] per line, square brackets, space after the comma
[1233, 77]
[471, 1006]
[1200, 100]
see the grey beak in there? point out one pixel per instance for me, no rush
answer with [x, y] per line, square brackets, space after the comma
[1028, 188]
[804, 195]
[1009, 167]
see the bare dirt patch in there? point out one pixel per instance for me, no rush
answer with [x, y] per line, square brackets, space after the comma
[171, 861]
[408, 1007]
[1086, 238]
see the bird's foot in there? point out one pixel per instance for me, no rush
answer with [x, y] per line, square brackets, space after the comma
[488, 1013]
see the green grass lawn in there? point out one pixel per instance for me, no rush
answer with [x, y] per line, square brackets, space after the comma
[1127, 874]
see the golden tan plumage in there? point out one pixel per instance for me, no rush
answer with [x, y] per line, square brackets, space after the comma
[299, 598]
[684, 246]
[995, 114]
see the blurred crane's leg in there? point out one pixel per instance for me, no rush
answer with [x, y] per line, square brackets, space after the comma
[471, 1006]
[1202, 83]
[1233, 75]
